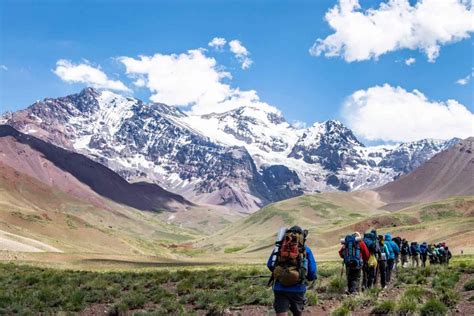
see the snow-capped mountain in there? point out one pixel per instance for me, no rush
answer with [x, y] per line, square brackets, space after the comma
[243, 158]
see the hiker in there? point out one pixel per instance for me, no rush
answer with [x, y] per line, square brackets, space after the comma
[441, 254]
[449, 255]
[398, 241]
[392, 251]
[382, 262]
[405, 252]
[370, 266]
[436, 254]
[292, 264]
[354, 252]
[415, 253]
[423, 253]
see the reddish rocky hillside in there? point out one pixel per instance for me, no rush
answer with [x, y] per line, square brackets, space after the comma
[449, 173]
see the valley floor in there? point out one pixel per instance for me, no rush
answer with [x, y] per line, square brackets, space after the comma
[226, 290]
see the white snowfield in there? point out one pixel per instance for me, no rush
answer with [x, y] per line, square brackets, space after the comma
[13, 242]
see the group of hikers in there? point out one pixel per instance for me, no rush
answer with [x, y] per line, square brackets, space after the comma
[371, 256]
[377, 256]
[435, 253]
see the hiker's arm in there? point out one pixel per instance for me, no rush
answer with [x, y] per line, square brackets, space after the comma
[364, 250]
[312, 266]
[341, 254]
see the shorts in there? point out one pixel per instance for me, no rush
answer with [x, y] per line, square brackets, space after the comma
[292, 301]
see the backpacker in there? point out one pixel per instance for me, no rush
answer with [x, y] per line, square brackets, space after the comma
[371, 241]
[405, 249]
[291, 265]
[352, 255]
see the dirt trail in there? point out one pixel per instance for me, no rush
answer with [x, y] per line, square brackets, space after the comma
[464, 307]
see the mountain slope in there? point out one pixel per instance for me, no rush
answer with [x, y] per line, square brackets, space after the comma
[449, 173]
[242, 159]
[36, 217]
[76, 173]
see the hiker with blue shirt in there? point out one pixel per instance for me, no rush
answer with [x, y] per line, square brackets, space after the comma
[424, 253]
[393, 250]
[415, 254]
[292, 264]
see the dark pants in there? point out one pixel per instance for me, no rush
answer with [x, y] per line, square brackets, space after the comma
[382, 270]
[371, 271]
[353, 279]
[390, 263]
[423, 259]
[365, 276]
[293, 301]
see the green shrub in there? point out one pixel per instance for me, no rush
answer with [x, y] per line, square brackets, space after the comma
[415, 294]
[433, 307]
[384, 308]
[449, 297]
[337, 285]
[328, 271]
[170, 307]
[133, 300]
[312, 298]
[406, 306]
[445, 280]
[469, 285]
[341, 311]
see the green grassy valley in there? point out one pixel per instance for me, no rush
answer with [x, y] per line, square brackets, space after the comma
[229, 290]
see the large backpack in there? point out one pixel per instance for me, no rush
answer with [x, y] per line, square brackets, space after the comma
[352, 255]
[405, 249]
[291, 264]
[371, 241]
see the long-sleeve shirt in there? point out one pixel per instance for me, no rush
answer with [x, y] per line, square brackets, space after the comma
[300, 287]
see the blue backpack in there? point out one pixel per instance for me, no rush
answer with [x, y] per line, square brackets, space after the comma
[371, 241]
[352, 255]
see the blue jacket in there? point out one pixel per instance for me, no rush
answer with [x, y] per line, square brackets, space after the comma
[423, 248]
[298, 288]
[415, 249]
[393, 249]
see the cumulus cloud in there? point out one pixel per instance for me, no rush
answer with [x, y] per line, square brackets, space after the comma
[410, 61]
[3, 67]
[87, 74]
[217, 42]
[241, 53]
[367, 34]
[464, 81]
[393, 114]
[189, 79]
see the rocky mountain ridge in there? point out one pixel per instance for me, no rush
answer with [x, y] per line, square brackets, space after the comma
[244, 158]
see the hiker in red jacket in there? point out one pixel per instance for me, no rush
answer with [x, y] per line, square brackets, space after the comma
[354, 252]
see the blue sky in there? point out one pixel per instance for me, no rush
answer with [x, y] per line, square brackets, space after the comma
[277, 34]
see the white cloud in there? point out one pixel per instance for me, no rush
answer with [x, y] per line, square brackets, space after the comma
[367, 34]
[189, 79]
[87, 74]
[410, 61]
[393, 114]
[217, 42]
[3, 67]
[464, 81]
[241, 53]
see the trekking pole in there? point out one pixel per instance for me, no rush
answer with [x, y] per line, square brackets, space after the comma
[342, 269]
